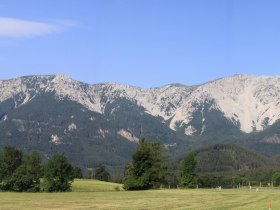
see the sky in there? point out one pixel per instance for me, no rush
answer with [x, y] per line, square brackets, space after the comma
[146, 43]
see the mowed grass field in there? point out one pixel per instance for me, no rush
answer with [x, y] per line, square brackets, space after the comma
[89, 194]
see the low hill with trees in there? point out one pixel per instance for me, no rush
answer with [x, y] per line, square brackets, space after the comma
[227, 158]
[219, 158]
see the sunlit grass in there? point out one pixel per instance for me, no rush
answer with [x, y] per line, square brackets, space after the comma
[89, 185]
[88, 194]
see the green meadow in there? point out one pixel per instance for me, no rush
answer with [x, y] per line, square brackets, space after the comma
[89, 194]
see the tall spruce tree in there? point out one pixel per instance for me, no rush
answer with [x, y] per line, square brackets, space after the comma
[148, 168]
[186, 173]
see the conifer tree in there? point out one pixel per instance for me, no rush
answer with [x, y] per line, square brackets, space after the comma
[148, 168]
[186, 173]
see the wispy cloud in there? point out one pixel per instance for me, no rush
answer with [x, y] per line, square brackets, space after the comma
[12, 27]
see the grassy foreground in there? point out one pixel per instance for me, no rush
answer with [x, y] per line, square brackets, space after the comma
[89, 194]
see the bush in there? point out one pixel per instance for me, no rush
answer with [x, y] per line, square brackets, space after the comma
[117, 188]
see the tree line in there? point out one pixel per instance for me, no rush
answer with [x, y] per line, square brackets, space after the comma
[26, 173]
[150, 169]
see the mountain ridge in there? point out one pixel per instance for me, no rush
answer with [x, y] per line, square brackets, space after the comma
[171, 102]
[102, 123]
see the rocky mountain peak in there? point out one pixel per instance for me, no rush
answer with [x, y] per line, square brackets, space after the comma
[250, 102]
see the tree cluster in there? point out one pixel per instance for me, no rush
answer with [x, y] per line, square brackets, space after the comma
[26, 173]
[149, 170]
[99, 173]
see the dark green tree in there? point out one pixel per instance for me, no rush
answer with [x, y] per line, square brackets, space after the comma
[172, 178]
[186, 171]
[27, 176]
[58, 174]
[276, 179]
[10, 160]
[77, 172]
[148, 168]
[102, 174]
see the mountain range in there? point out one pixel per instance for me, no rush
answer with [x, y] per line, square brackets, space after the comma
[102, 123]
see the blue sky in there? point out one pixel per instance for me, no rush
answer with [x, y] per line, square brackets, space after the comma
[145, 43]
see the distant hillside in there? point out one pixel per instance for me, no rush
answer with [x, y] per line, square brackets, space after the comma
[226, 158]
